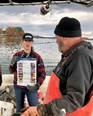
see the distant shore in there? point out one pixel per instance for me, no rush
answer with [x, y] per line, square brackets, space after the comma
[44, 37]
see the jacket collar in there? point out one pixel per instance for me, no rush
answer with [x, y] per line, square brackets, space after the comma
[81, 43]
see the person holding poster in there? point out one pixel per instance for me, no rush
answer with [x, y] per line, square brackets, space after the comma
[29, 73]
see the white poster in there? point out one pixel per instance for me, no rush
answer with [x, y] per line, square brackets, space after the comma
[26, 72]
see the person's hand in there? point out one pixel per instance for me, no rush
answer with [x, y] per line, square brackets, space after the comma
[48, 110]
[42, 111]
[14, 60]
[32, 111]
[32, 88]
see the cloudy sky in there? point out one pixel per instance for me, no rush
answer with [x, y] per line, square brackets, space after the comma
[30, 19]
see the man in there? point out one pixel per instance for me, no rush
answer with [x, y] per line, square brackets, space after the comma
[72, 79]
[26, 55]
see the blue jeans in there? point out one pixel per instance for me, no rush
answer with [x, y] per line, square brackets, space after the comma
[20, 93]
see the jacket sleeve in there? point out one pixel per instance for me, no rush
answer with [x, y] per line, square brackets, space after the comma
[12, 68]
[78, 74]
[41, 74]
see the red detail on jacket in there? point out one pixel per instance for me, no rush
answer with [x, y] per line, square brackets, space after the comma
[53, 89]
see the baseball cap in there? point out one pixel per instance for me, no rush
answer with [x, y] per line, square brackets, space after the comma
[27, 37]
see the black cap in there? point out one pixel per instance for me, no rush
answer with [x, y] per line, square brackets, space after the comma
[68, 27]
[27, 37]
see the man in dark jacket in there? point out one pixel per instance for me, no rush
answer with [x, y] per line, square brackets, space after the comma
[74, 71]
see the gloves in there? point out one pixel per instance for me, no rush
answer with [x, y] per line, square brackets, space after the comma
[32, 88]
[42, 111]
[14, 60]
[48, 110]
[31, 111]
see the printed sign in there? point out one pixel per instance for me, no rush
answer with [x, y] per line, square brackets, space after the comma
[26, 72]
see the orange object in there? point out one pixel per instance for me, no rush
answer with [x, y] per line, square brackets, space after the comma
[53, 89]
[31, 111]
[40, 95]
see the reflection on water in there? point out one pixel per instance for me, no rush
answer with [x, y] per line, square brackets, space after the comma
[47, 48]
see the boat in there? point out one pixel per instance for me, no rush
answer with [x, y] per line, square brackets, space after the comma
[9, 107]
[87, 3]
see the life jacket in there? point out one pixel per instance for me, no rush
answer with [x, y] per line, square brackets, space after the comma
[53, 89]
[87, 110]
[53, 92]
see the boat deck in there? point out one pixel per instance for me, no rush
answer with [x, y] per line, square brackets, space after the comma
[8, 80]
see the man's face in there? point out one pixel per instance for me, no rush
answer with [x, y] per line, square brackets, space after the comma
[59, 41]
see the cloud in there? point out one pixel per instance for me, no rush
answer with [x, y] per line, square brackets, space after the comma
[29, 18]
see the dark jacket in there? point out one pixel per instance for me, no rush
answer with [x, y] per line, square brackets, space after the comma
[0, 76]
[41, 74]
[75, 71]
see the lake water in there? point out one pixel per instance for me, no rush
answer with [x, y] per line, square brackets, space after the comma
[47, 48]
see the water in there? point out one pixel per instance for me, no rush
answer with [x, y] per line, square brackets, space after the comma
[47, 48]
